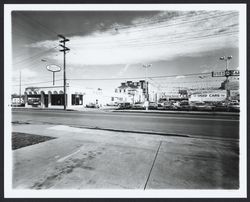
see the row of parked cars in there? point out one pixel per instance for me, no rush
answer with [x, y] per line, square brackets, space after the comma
[184, 106]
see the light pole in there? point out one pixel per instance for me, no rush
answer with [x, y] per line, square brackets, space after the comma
[227, 73]
[146, 66]
[20, 87]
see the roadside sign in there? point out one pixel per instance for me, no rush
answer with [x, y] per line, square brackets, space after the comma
[218, 74]
[234, 72]
[53, 68]
[226, 73]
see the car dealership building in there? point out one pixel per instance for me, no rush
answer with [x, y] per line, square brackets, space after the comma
[53, 97]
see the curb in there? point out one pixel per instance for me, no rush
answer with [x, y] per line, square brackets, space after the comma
[180, 112]
[136, 111]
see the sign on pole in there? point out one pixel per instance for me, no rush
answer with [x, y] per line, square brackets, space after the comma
[218, 74]
[53, 69]
[226, 73]
[234, 72]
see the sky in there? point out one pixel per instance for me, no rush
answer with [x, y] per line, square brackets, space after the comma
[110, 47]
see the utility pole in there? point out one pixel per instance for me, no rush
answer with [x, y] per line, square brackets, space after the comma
[63, 41]
[146, 66]
[20, 86]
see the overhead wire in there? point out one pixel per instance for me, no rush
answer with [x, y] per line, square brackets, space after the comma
[142, 77]
[148, 37]
[173, 24]
[167, 42]
[36, 22]
[36, 55]
[26, 84]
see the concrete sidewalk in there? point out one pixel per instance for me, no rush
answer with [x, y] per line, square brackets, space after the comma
[86, 158]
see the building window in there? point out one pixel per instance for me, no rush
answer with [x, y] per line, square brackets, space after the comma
[76, 99]
[57, 99]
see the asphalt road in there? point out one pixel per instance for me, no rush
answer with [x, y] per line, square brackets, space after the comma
[222, 126]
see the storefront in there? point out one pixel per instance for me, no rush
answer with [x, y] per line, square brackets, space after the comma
[47, 97]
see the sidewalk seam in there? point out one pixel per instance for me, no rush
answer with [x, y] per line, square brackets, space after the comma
[152, 165]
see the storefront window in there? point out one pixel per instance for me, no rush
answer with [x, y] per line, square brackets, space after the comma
[76, 99]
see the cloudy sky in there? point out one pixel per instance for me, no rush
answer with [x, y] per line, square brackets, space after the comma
[115, 44]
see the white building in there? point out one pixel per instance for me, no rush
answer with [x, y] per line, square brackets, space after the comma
[53, 96]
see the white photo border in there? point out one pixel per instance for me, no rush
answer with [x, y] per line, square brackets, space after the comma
[9, 192]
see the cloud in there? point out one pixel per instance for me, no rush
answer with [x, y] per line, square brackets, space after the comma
[163, 37]
[180, 77]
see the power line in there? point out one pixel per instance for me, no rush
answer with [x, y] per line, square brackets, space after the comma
[25, 26]
[167, 42]
[24, 35]
[36, 55]
[37, 22]
[142, 77]
[174, 24]
[26, 84]
[147, 38]
[184, 22]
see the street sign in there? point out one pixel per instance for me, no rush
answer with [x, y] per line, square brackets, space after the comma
[234, 72]
[218, 74]
[226, 73]
[53, 68]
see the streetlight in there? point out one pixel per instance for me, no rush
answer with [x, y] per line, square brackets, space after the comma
[227, 73]
[227, 60]
[146, 66]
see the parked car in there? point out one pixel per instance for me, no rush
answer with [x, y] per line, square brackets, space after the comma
[234, 101]
[220, 106]
[17, 105]
[202, 106]
[152, 105]
[112, 104]
[184, 105]
[234, 107]
[92, 105]
[170, 106]
[124, 105]
[138, 105]
[34, 102]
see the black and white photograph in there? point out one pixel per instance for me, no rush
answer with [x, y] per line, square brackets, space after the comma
[125, 100]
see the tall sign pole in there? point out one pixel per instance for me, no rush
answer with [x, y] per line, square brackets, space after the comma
[63, 41]
[227, 73]
[20, 87]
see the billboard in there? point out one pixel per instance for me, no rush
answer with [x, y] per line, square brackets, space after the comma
[208, 97]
